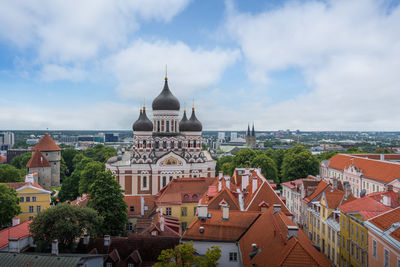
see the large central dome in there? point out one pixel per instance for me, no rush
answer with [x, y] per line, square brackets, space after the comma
[166, 100]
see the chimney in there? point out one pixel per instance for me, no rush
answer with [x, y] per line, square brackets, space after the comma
[254, 184]
[15, 221]
[162, 223]
[292, 230]
[277, 208]
[86, 239]
[382, 156]
[54, 247]
[142, 205]
[220, 174]
[245, 181]
[254, 251]
[202, 211]
[225, 212]
[388, 187]
[334, 184]
[386, 201]
[241, 201]
[220, 182]
[228, 181]
[107, 240]
[13, 245]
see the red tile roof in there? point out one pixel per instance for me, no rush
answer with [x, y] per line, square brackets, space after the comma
[334, 198]
[394, 197]
[21, 184]
[386, 220]
[180, 189]
[381, 171]
[135, 201]
[19, 231]
[224, 195]
[319, 190]
[216, 229]
[276, 249]
[3, 159]
[368, 207]
[38, 160]
[47, 144]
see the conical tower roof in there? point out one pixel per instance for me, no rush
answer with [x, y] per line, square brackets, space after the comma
[38, 160]
[47, 144]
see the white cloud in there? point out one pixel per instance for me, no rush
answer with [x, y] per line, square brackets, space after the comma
[71, 32]
[139, 68]
[348, 52]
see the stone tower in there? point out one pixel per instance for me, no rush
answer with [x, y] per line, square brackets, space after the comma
[39, 164]
[52, 152]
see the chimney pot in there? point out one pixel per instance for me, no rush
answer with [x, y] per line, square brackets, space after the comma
[54, 247]
[107, 240]
[225, 212]
[15, 221]
[293, 230]
[277, 208]
[13, 245]
[202, 211]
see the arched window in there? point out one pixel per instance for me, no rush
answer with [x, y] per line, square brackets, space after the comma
[144, 181]
[172, 126]
[167, 126]
[158, 126]
[144, 143]
[172, 144]
[194, 143]
[180, 144]
[156, 144]
[164, 181]
[175, 126]
[164, 144]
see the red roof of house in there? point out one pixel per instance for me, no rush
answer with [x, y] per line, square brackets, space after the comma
[19, 231]
[17, 185]
[181, 190]
[216, 229]
[319, 190]
[394, 197]
[368, 207]
[38, 160]
[336, 197]
[386, 220]
[3, 159]
[381, 171]
[47, 144]
[135, 201]
[224, 195]
[270, 234]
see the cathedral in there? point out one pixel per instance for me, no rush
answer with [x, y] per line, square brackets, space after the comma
[164, 148]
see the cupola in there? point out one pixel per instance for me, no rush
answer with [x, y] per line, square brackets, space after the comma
[166, 100]
[143, 124]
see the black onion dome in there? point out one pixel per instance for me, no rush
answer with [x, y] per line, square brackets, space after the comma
[143, 124]
[194, 125]
[184, 123]
[166, 100]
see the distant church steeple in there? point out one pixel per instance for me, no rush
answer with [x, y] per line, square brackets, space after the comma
[250, 136]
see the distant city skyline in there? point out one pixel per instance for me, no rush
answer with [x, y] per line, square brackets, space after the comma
[308, 65]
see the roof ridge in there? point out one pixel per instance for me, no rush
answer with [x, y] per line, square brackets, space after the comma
[383, 213]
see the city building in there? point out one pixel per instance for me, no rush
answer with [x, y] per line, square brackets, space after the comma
[163, 149]
[45, 161]
[18, 234]
[250, 137]
[324, 221]
[353, 232]
[275, 240]
[221, 136]
[234, 136]
[384, 239]
[364, 174]
[6, 140]
[308, 202]
[140, 211]
[32, 198]
[12, 153]
[111, 137]
[180, 198]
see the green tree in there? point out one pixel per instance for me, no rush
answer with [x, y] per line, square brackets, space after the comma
[68, 155]
[184, 255]
[298, 163]
[9, 174]
[89, 175]
[65, 223]
[221, 161]
[228, 168]
[268, 166]
[9, 207]
[278, 158]
[100, 153]
[244, 157]
[354, 150]
[270, 153]
[326, 155]
[107, 198]
[20, 161]
[70, 187]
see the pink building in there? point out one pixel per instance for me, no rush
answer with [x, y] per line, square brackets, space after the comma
[384, 239]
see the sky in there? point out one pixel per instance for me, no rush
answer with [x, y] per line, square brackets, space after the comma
[308, 65]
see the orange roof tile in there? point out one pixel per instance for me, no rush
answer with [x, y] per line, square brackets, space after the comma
[216, 229]
[47, 144]
[386, 220]
[3, 159]
[180, 189]
[319, 190]
[226, 195]
[275, 247]
[135, 201]
[381, 171]
[21, 184]
[38, 160]
[19, 231]
[366, 206]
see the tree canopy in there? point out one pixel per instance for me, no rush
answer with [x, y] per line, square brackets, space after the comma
[9, 207]
[9, 174]
[89, 175]
[107, 198]
[184, 255]
[20, 161]
[65, 223]
[268, 166]
[298, 163]
[100, 152]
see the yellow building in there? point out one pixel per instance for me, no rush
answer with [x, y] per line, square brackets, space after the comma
[32, 199]
[354, 234]
[324, 222]
[180, 197]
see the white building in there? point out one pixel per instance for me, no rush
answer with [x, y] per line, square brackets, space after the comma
[163, 149]
[7, 140]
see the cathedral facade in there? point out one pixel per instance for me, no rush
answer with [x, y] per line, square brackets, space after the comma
[164, 148]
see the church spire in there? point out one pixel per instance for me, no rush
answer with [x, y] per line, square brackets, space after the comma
[253, 133]
[248, 130]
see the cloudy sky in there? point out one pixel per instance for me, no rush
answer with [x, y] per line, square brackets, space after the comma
[308, 65]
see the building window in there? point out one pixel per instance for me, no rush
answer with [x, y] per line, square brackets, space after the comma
[386, 258]
[164, 144]
[28, 199]
[194, 211]
[158, 126]
[156, 144]
[184, 226]
[144, 181]
[37, 209]
[129, 226]
[374, 249]
[232, 256]
[132, 208]
[30, 209]
[184, 211]
[130, 264]
[168, 211]
[164, 181]
[108, 264]
[33, 199]
[21, 199]
[180, 144]
[167, 126]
